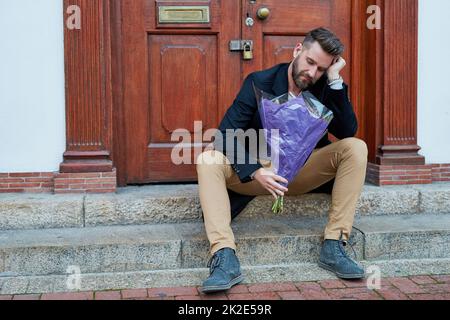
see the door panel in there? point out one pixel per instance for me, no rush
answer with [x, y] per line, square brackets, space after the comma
[287, 16]
[183, 78]
[183, 89]
[278, 49]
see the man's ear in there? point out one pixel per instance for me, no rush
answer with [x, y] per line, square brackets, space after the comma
[298, 49]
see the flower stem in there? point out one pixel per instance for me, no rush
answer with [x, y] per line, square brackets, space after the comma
[278, 205]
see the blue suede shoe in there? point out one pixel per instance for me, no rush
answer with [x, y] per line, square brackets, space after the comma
[225, 271]
[334, 258]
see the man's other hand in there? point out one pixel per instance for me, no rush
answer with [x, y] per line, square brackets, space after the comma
[270, 181]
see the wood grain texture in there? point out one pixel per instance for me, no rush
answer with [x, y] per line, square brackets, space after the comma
[391, 85]
[88, 88]
[400, 54]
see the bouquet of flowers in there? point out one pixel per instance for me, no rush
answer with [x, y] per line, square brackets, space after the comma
[301, 122]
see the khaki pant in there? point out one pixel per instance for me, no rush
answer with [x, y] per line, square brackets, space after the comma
[345, 160]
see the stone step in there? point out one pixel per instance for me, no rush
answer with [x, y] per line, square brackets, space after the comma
[160, 204]
[194, 277]
[275, 241]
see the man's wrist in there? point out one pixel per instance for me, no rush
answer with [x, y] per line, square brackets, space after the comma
[253, 175]
[334, 77]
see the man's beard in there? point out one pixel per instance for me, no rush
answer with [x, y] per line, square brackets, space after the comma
[299, 82]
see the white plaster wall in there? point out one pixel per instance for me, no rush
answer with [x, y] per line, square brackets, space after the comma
[32, 115]
[434, 80]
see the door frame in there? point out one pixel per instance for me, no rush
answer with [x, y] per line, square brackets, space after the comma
[95, 127]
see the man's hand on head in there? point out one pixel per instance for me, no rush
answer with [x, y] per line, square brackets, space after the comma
[334, 70]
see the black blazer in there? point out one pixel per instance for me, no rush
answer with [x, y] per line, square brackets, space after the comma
[243, 114]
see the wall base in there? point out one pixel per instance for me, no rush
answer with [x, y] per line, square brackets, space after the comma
[106, 182]
[383, 175]
[58, 183]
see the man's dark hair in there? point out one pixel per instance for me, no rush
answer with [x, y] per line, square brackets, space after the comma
[329, 42]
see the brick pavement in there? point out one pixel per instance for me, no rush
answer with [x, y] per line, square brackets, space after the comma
[407, 288]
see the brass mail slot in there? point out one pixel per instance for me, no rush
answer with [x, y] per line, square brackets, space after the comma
[184, 14]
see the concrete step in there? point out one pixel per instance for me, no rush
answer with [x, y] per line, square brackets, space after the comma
[179, 203]
[154, 247]
[173, 249]
[195, 277]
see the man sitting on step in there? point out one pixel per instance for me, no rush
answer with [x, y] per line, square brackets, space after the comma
[226, 186]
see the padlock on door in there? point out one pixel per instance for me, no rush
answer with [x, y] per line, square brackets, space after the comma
[248, 51]
[244, 46]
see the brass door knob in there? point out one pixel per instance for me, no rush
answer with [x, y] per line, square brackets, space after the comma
[263, 13]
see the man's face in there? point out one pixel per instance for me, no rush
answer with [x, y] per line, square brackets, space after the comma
[309, 65]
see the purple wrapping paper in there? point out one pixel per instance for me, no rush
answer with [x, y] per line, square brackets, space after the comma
[301, 125]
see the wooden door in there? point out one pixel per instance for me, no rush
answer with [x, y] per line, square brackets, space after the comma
[178, 73]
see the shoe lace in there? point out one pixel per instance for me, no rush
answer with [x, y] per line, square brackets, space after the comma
[342, 244]
[215, 261]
